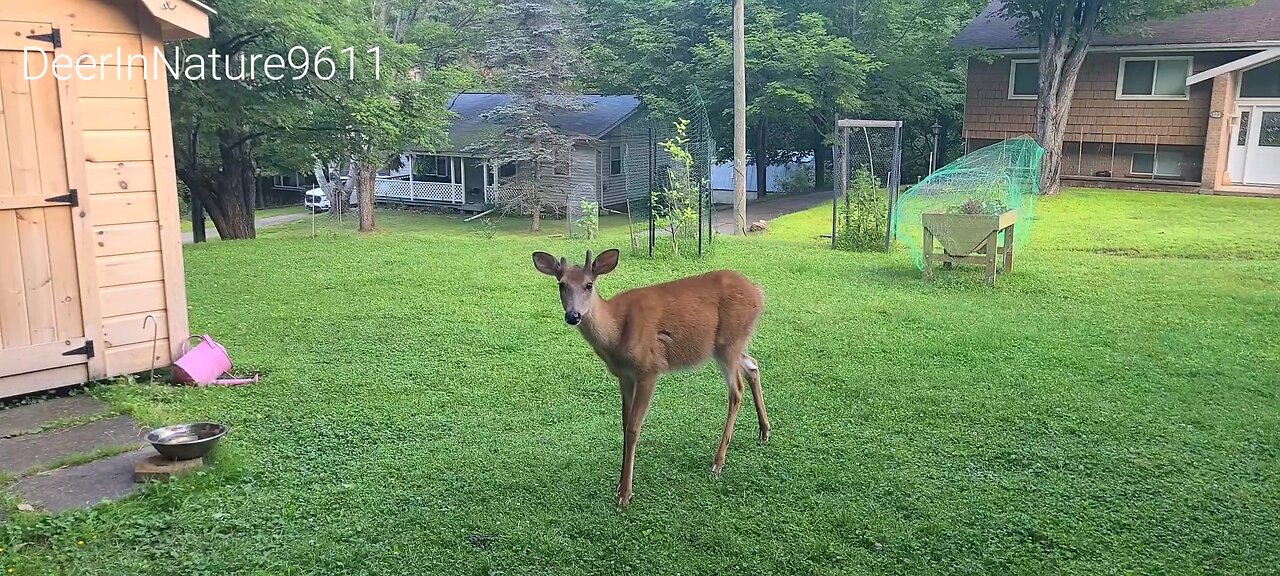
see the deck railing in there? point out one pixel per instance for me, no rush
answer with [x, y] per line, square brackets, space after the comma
[394, 190]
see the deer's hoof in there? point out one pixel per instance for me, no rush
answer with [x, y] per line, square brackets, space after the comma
[764, 436]
[716, 469]
[624, 500]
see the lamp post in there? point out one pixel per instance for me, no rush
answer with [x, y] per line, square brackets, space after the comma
[937, 142]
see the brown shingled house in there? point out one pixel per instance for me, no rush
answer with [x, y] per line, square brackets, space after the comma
[1190, 104]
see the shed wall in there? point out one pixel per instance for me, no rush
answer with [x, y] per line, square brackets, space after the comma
[129, 188]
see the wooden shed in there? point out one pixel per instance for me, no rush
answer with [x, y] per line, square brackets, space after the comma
[90, 242]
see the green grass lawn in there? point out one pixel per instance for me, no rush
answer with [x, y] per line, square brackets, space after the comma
[258, 214]
[1109, 408]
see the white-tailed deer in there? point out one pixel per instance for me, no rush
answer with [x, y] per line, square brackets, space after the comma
[643, 333]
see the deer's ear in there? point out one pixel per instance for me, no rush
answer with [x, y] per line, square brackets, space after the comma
[547, 264]
[605, 262]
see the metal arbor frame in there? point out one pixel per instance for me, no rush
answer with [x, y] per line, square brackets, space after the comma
[892, 179]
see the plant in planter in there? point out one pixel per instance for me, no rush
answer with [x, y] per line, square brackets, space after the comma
[969, 233]
[977, 206]
[968, 204]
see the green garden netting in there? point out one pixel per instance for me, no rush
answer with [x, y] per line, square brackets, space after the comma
[997, 183]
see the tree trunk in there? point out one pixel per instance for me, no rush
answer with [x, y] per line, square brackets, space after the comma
[1064, 42]
[739, 118]
[365, 190]
[340, 194]
[223, 191]
[197, 220]
[535, 223]
[762, 159]
[820, 153]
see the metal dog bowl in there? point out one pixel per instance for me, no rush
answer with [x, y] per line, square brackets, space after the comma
[186, 441]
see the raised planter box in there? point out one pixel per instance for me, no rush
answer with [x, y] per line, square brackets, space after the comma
[969, 239]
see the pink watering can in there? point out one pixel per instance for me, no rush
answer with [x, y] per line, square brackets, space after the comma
[206, 364]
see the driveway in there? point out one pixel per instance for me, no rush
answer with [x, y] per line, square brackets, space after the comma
[260, 223]
[770, 207]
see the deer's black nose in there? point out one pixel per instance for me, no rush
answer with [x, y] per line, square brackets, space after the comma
[572, 318]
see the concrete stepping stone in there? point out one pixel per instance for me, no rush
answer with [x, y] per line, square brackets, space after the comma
[109, 478]
[21, 454]
[31, 417]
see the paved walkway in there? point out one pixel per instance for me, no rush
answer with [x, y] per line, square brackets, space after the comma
[53, 450]
[260, 223]
[770, 207]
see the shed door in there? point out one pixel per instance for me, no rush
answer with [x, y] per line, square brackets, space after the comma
[41, 315]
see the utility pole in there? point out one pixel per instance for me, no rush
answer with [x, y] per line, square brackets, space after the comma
[739, 118]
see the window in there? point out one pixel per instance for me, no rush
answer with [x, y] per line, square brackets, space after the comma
[430, 166]
[1024, 79]
[1261, 82]
[507, 170]
[1153, 78]
[562, 163]
[1163, 163]
[1243, 138]
[1269, 135]
[615, 160]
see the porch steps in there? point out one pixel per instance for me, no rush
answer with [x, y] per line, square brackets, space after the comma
[472, 207]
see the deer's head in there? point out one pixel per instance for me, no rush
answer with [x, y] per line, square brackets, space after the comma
[577, 283]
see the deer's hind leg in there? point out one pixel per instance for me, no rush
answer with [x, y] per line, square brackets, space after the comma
[731, 367]
[751, 371]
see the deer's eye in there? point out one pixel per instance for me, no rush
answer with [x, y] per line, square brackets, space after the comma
[588, 285]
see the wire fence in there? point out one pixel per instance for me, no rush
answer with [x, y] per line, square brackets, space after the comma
[666, 163]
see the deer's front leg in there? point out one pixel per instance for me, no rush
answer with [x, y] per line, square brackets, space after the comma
[633, 421]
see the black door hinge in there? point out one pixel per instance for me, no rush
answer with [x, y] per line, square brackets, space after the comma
[54, 37]
[72, 197]
[86, 350]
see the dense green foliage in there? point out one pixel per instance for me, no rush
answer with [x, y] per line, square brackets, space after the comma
[807, 63]
[348, 91]
[535, 49]
[862, 215]
[1110, 407]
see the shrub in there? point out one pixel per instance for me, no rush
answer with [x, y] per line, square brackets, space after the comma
[863, 215]
[675, 205]
[976, 206]
[799, 181]
[588, 223]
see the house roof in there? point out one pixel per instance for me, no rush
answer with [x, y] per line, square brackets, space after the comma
[598, 116]
[1242, 26]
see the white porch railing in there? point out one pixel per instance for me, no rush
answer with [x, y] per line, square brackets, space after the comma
[406, 191]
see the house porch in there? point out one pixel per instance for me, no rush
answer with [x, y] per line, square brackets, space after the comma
[441, 180]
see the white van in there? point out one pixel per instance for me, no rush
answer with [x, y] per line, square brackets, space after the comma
[316, 200]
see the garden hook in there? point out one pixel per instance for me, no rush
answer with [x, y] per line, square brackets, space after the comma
[155, 340]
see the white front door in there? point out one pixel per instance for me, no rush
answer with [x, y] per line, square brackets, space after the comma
[1262, 147]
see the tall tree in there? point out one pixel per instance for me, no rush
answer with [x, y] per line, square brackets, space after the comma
[534, 46]
[319, 99]
[222, 119]
[808, 61]
[801, 76]
[1064, 30]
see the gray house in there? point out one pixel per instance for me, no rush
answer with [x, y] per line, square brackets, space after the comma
[604, 165]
